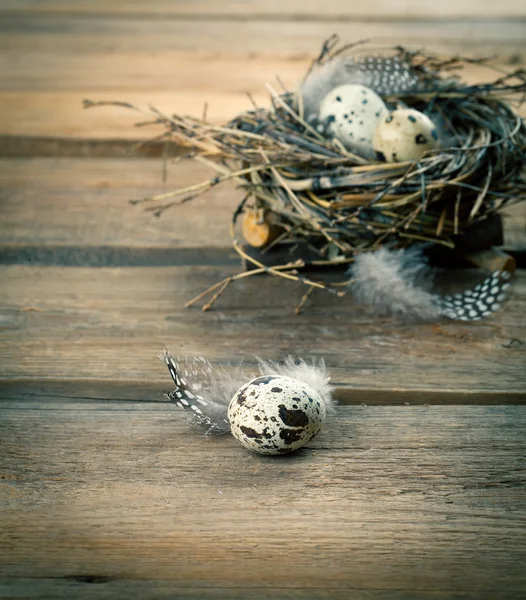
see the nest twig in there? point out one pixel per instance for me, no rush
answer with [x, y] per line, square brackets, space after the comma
[340, 204]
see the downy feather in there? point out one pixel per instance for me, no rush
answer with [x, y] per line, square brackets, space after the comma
[203, 391]
[397, 283]
[314, 374]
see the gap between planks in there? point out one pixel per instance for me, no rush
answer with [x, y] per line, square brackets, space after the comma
[87, 391]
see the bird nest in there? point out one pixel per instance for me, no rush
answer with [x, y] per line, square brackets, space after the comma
[303, 189]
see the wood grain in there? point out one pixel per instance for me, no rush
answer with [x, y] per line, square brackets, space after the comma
[254, 9]
[42, 93]
[105, 490]
[106, 498]
[110, 323]
[48, 69]
[97, 34]
[85, 203]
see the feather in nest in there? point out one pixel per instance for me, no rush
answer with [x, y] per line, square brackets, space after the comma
[384, 75]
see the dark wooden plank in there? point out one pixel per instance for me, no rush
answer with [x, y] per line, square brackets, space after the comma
[82, 587]
[90, 587]
[394, 503]
[20, 146]
[110, 323]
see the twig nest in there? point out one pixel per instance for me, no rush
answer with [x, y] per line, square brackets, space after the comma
[332, 204]
[350, 113]
[404, 135]
[275, 414]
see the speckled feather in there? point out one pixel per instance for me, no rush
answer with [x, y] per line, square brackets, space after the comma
[397, 283]
[385, 75]
[478, 303]
[201, 391]
[205, 393]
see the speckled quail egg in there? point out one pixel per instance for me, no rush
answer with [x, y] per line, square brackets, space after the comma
[275, 414]
[403, 135]
[350, 113]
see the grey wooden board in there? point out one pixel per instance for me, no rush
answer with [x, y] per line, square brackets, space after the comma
[85, 203]
[415, 502]
[109, 324]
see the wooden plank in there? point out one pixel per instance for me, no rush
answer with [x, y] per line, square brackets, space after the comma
[15, 146]
[48, 70]
[393, 503]
[96, 35]
[82, 587]
[61, 114]
[42, 92]
[254, 9]
[96, 192]
[109, 324]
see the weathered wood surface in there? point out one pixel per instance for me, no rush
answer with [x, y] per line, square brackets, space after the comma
[54, 58]
[408, 10]
[105, 491]
[103, 320]
[84, 203]
[411, 502]
[110, 324]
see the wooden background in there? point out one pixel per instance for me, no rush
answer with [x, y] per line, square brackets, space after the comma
[415, 490]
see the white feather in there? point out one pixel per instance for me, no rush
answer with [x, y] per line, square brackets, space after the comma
[314, 374]
[395, 283]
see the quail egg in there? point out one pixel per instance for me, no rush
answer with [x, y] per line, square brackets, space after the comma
[404, 135]
[350, 113]
[275, 414]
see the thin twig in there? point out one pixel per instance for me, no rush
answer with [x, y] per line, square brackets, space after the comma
[305, 297]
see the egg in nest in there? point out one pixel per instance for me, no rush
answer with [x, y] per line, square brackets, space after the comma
[275, 414]
[404, 135]
[350, 113]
